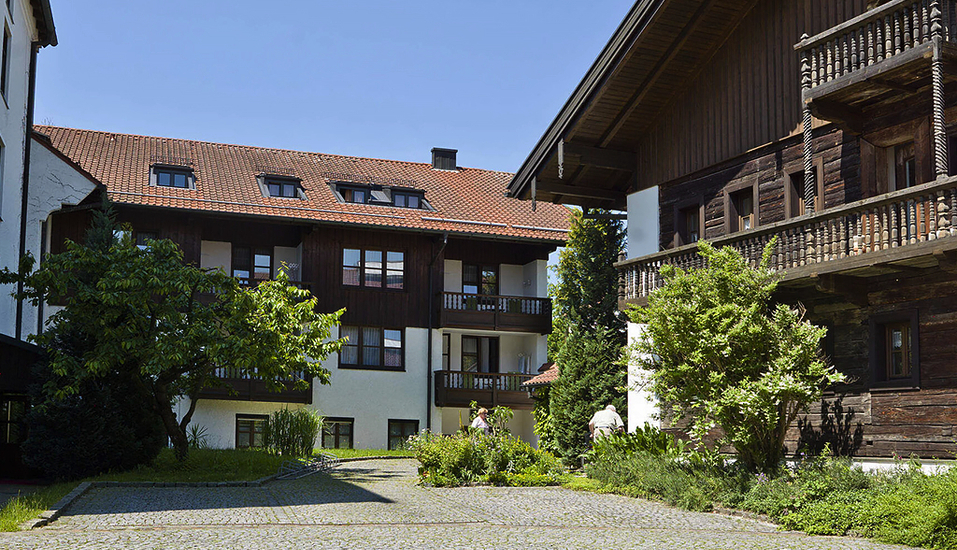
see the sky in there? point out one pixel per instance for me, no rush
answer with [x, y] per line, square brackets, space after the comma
[370, 78]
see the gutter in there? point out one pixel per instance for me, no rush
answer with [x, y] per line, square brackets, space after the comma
[25, 192]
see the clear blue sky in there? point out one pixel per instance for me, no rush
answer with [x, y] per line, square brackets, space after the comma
[384, 79]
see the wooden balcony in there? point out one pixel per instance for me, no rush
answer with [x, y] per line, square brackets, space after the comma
[835, 250]
[485, 312]
[240, 386]
[880, 57]
[459, 389]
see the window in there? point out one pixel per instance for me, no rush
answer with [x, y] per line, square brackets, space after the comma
[287, 188]
[741, 213]
[5, 64]
[688, 223]
[479, 279]
[373, 268]
[252, 264]
[371, 348]
[337, 433]
[404, 199]
[796, 205]
[143, 238]
[479, 354]
[180, 177]
[13, 427]
[905, 166]
[249, 430]
[400, 431]
[446, 351]
[351, 194]
[895, 353]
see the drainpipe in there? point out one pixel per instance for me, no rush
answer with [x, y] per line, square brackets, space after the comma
[25, 193]
[428, 369]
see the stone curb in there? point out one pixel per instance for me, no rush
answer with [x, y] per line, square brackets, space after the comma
[57, 509]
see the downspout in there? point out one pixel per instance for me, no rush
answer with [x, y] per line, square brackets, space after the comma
[25, 193]
[428, 369]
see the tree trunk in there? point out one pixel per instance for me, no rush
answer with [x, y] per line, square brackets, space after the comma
[176, 434]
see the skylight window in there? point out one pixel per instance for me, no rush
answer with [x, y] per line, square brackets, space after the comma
[380, 195]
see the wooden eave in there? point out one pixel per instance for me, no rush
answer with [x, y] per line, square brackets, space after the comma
[659, 48]
[43, 13]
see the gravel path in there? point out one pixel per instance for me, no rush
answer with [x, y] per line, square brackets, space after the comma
[377, 504]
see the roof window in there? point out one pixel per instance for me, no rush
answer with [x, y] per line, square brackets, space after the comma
[181, 177]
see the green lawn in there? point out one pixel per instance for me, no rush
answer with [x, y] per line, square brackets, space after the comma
[355, 453]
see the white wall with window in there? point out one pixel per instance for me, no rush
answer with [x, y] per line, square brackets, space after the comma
[529, 280]
[221, 418]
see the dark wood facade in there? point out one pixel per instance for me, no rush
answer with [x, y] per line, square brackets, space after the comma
[838, 123]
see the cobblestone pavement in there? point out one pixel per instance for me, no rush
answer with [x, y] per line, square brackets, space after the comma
[376, 504]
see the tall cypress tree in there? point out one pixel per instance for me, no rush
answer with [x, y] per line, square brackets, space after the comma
[589, 332]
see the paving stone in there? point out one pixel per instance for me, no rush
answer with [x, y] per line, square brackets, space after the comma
[377, 504]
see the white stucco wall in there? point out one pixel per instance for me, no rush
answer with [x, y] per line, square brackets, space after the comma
[643, 223]
[642, 406]
[512, 280]
[453, 276]
[218, 416]
[522, 424]
[215, 254]
[13, 140]
[373, 397]
[53, 184]
[535, 273]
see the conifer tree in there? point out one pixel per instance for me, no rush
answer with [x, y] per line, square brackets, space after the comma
[589, 332]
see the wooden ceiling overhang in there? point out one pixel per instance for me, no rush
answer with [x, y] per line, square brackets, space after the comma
[587, 156]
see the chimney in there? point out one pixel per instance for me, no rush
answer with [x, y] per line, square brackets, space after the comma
[443, 159]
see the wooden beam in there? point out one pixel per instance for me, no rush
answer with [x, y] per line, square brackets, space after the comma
[946, 260]
[584, 192]
[599, 157]
[849, 117]
[642, 90]
[847, 288]
[604, 215]
[884, 83]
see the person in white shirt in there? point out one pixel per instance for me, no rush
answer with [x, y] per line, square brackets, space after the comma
[481, 421]
[605, 422]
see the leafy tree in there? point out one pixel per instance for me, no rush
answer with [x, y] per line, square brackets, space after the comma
[721, 355]
[588, 332]
[170, 325]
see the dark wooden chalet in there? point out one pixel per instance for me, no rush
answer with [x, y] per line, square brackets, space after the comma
[824, 126]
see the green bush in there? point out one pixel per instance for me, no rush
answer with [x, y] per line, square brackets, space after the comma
[460, 459]
[292, 433]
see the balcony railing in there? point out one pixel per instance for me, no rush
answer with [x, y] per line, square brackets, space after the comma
[244, 386]
[883, 229]
[459, 389]
[510, 313]
[875, 36]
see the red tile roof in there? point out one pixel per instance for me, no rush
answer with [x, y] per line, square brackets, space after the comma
[466, 200]
[549, 374]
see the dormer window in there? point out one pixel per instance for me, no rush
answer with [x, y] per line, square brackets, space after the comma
[380, 195]
[181, 177]
[404, 199]
[284, 187]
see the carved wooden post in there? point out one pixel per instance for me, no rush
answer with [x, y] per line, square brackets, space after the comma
[941, 161]
[808, 133]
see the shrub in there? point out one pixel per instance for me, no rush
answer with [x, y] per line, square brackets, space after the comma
[461, 459]
[292, 433]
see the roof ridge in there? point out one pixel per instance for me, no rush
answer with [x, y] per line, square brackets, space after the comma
[279, 149]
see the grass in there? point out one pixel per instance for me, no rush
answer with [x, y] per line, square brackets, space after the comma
[357, 453]
[27, 507]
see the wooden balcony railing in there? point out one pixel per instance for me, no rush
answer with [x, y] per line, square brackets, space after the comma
[875, 36]
[887, 228]
[458, 389]
[244, 386]
[510, 313]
